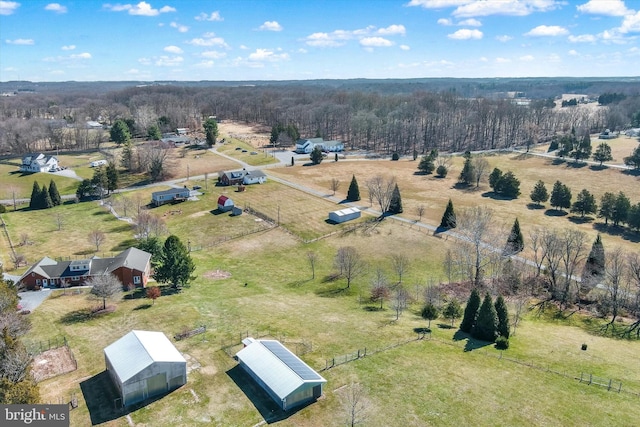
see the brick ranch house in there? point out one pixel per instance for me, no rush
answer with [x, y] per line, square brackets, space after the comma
[131, 266]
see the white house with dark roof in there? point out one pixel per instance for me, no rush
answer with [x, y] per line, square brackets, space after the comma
[171, 195]
[306, 146]
[144, 364]
[38, 162]
[284, 376]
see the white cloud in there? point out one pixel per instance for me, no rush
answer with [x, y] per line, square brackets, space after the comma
[393, 30]
[604, 7]
[573, 52]
[243, 47]
[270, 26]
[68, 47]
[554, 57]
[205, 64]
[404, 47]
[438, 4]
[466, 34]
[324, 40]
[302, 50]
[213, 16]
[173, 49]
[470, 23]
[505, 7]
[8, 7]
[132, 71]
[56, 7]
[547, 31]
[583, 38]
[168, 61]
[213, 54]
[631, 23]
[141, 9]
[445, 21]
[267, 55]
[24, 42]
[84, 55]
[144, 61]
[501, 60]
[504, 38]
[209, 39]
[180, 28]
[375, 42]
[527, 58]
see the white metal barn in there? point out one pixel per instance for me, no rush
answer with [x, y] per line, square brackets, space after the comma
[344, 215]
[144, 364]
[288, 380]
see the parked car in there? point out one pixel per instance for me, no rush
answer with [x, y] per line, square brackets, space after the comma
[197, 187]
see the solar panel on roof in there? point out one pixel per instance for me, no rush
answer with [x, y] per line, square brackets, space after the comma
[291, 360]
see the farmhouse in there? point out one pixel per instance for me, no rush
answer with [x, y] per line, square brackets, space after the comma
[288, 380]
[306, 146]
[344, 215]
[243, 177]
[172, 195]
[38, 162]
[225, 203]
[144, 364]
[131, 266]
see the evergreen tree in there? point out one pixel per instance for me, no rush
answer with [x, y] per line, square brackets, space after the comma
[515, 241]
[607, 206]
[452, 310]
[594, 266]
[539, 193]
[633, 218]
[153, 133]
[486, 326]
[54, 194]
[34, 201]
[621, 209]
[112, 177]
[509, 185]
[175, 264]
[353, 194]
[395, 205]
[211, 131]
[430, 312]
[585, 204]
[582, 149]
[603, 153]
[442, 171]
[503, 317]
[494, 179]
[126, 156]
[426, 165]
[467, 173]
[560, 196]
[44, 201]
[85, 189]
[634, 159]
[470, 312]
[119, 132]
[449, 217]
[316, 155]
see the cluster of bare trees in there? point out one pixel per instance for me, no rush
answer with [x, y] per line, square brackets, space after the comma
[403, 122]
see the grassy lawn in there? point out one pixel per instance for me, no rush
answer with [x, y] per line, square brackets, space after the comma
[241, 150]
[11, 178]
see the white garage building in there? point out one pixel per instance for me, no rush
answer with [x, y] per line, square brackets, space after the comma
[288, 380]
[344, 215]
[144, 364]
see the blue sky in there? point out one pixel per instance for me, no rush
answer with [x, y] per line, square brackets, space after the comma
[87, 40]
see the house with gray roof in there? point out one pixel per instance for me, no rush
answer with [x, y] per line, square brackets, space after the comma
[244, 176]
[38, 162]
[144, 364]
[284, 376]
[132, 267]
[172, 195]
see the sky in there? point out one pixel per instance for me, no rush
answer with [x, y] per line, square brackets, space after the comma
[235, 40]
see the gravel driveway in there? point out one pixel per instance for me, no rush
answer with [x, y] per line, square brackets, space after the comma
[32, 299]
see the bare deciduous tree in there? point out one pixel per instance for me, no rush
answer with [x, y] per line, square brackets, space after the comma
[24, 239]
[400, 300]
[356, 405]
[104, 287]
[400, 265]
[59, 220]
[149, 225]
[334, 185]
[312, 257]
[480, 169]
[381, 190]
[616, 283]
[420, 211]
[97, 238]
[17, 259]
[349, 262]
[574, 245]
[380, 287]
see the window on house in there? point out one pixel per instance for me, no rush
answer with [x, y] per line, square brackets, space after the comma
[136, 280]
[75, 278]
[38, 282]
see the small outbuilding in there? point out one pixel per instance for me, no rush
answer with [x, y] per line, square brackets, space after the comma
[344, 215]
[225, 204]
[284, 376]
[144, 364]
[173, 195]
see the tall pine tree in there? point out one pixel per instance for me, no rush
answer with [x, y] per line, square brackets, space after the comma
[35, 196]
[503, 317]
[44, 200]
[449, 217]
[353, 195]
[54, 194]
[594, 267]
[395, 205]
[470, 312]
[515, 241]
[176, 266]
[486, 327]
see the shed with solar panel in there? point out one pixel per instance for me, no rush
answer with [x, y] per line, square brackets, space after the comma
[284, 376]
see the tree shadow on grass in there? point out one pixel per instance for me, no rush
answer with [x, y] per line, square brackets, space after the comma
[632, 172]
[580, 219]
[555, 212]
[77, 316]
[577, 165]
[298, 283]
[558, 161]
[125, 244]
[372, 308]
[142, 307]
[598, 167]
[534, 206]
[472, 343]
[614, 230]
[445, 326]
[495, 196]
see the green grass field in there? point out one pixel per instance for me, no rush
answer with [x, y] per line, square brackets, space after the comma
[422, 382]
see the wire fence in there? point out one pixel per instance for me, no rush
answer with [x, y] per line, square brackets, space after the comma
[232, 344]
[36, 347]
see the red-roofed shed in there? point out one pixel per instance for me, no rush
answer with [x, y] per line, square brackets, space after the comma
[225, 203]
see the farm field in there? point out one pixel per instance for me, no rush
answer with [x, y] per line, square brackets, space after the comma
[447, 380]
